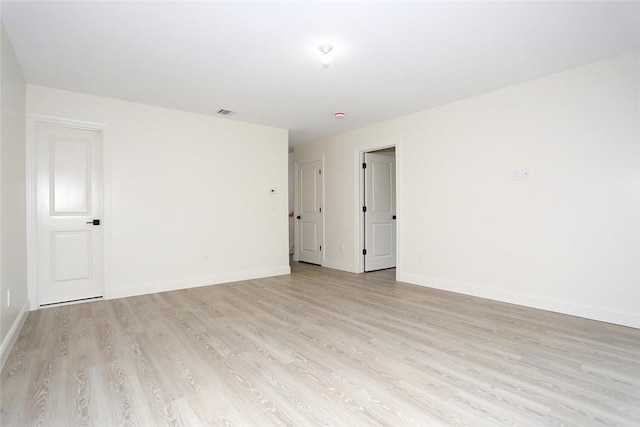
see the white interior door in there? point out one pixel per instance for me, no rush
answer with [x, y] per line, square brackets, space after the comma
[380, 203]
[309, 212]
[69, 208]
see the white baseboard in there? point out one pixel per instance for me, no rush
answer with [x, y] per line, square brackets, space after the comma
[602, 314]
[149, 288]
[12, 336]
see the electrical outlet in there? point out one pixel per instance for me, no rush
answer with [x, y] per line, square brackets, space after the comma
[421, 256]
[205, 259]
[342, 247]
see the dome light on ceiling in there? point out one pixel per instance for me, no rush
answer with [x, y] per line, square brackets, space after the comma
[325, 49]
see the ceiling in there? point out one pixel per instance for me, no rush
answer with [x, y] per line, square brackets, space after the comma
[261, 59]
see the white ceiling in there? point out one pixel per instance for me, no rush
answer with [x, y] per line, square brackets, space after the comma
[261, 59]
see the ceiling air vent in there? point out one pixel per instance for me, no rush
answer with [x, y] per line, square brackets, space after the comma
[225, 112]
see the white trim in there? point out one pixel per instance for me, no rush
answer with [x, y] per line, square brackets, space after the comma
[358, 237]
[601, 314]
[296, 171]
[32, 241]
[399, 208]
[359, 200]
[323, 208]
[12, 335]
[76, 124]
[106, 210]
[148, 288]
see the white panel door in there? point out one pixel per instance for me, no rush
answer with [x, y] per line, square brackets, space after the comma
[68, 200]
[380, 203]
[309, 212]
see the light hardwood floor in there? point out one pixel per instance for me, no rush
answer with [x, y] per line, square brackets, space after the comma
[319, 347]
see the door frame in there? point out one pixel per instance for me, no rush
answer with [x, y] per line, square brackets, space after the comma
[359, 201]
[32, 240]
[296, 186]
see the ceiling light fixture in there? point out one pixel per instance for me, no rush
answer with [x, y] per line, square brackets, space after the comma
[339, 115]
[325, 58]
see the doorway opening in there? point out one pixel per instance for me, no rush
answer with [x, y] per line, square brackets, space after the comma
[66, 212]
[378, 216]
[308, 213]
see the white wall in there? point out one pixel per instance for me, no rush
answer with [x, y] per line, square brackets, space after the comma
[182, 187]
[567, 239]
[13, 231]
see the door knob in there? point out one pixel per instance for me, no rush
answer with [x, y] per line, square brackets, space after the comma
[394, 217]
[94, 222]
[299, 217]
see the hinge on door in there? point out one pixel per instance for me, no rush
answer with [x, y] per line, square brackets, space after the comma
[364, 252]
[364, 166]
[319, 171]
[364, 209]
[320, 248]
[321, 210]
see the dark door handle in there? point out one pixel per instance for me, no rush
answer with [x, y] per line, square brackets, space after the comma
[394, 217]
[299, 217]
[94, 222]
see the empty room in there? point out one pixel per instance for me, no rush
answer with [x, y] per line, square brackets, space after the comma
[334, 213]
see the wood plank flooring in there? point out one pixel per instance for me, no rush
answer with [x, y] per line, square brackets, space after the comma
[319, 347]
